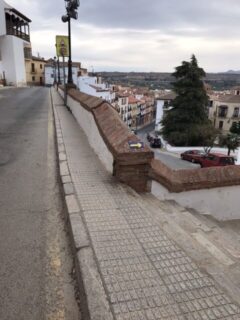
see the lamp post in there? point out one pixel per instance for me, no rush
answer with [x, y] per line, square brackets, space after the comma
[58, 68]
[55, 70]
[71, 8]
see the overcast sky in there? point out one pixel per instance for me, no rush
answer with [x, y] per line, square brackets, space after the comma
[140, 35]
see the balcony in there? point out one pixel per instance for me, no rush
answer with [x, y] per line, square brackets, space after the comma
[17, 24]
[222, 114]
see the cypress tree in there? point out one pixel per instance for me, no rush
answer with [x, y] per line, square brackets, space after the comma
[184, 122]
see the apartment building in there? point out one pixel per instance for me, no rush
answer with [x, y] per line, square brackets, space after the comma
[14, 37]
[135, 109]
[224, 110]
[35, 70]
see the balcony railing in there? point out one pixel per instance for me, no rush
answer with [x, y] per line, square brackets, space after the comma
[222, 114]
[18, 33]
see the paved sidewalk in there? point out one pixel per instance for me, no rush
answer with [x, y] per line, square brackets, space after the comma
[145, 274]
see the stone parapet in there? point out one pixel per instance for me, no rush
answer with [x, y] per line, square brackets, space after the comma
[130, 166]
[194, 179]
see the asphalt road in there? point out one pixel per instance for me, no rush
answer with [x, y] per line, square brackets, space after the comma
[171, 160]
[35, 257]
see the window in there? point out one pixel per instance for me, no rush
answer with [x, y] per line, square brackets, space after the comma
[220, 126]
[222, 111]
[211, 157]
[40, 66]
[227, 160]
[33, 67]
[236, 112]
[27, 53]
[33, 78]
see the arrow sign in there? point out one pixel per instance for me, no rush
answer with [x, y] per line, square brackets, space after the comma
[136, 145]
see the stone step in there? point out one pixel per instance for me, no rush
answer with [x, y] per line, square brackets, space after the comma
[215, 250]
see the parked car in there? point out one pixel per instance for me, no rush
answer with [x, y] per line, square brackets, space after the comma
[216, 160]
[192, 155]
[156, 142]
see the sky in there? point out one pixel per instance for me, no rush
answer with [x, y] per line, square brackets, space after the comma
[140, 35]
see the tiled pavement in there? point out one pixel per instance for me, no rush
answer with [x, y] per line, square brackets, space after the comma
[145, 274]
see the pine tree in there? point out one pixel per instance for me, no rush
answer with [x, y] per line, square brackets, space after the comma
[184, 123]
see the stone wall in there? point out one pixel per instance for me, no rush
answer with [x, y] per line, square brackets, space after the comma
[212, 191]
[194, 179]
[130, 166]
[208, 190]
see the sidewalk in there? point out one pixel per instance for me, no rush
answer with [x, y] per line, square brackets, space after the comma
[142, 271]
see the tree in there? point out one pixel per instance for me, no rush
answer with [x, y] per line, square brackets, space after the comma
[235, 128]
[184, 123]
[231, 141]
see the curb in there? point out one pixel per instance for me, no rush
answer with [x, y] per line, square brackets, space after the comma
[93, 300]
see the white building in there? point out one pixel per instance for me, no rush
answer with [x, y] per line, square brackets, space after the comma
[94, 87]
[14, 37]
[163, 102]
[52, 68]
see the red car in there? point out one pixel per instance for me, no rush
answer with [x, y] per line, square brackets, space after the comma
[192, 155]
[216, 160]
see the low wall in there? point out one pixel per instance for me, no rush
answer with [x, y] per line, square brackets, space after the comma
[213, 191]
[221, 203]
[109, 137]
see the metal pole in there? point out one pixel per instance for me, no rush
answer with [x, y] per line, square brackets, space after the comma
[59, 80]
[65, 86]
[55, 71]
[70, 80]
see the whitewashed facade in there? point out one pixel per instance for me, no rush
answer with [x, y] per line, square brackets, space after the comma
[162, 102]
[51, 72]
[94, 87]
[14, 36]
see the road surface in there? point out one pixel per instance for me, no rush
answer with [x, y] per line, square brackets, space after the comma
[36, 262]
[171, 160]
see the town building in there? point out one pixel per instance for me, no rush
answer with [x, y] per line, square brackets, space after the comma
[135, 109]
[54, 70]
[35, 70]
[94, 86]
[163, 102]
[224, 110]
[121, 105]
[14, 37]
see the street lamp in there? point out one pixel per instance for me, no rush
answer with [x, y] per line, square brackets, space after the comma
[71, 8]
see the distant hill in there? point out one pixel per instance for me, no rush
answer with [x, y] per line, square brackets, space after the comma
[164, 80]
[233, 71]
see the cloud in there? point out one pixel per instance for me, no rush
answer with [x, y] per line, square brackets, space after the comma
[142, 35]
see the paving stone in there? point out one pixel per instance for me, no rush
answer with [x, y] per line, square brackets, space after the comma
[146, 275]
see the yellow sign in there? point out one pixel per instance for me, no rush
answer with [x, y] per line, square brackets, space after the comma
[62, 46]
